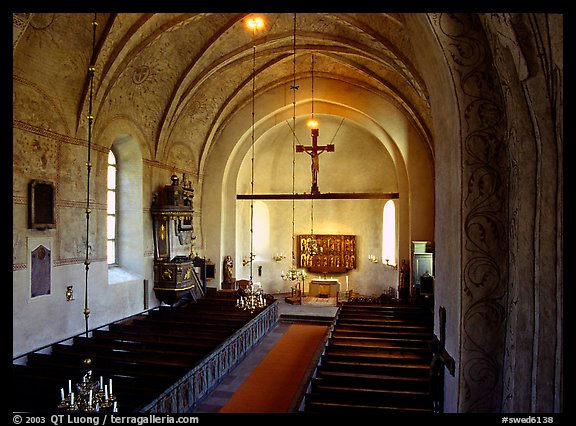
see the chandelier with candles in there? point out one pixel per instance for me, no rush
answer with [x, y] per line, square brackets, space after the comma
[294, 274]
[89, 395]
[251, 298]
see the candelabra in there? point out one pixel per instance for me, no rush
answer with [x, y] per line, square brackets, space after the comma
[248, 260]
[278, 257]
[251, 299]
[90, 395]
[294, 274]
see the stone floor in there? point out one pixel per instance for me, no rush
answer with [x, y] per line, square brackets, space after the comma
[226, 388]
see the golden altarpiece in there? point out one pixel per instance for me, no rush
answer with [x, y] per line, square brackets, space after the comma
[333, 253]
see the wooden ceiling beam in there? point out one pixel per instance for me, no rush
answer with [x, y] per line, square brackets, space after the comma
[322, 196]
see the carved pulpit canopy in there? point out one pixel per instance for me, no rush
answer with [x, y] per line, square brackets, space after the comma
[172, 207]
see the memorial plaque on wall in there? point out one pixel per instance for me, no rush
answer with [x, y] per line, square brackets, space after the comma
[41, 205]
[39, 266]
[40, 273]
[335, 253]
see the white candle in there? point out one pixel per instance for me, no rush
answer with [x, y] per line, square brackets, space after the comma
[101, 382]
[71, 398]
[106, 392]
[90, 397]
[69, 386]
[62, 393]
[110, 386]
[346, 282]
[115, 407]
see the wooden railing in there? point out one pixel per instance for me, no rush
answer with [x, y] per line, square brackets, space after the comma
[195, 385]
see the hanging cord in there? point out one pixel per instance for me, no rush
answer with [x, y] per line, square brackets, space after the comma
[337, 130]
[312, 217]
[91, 69]
[252, 165]
[313, 238]
[312, 199]
[294, 87]
[312, 86]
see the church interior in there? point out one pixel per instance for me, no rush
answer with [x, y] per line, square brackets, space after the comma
[166, 160]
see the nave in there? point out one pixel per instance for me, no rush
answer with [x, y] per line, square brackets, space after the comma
[376, 358]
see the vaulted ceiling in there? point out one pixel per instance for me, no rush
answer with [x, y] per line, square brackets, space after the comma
[183, 77]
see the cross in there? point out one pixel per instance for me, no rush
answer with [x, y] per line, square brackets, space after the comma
[440, 359]
[314, 151]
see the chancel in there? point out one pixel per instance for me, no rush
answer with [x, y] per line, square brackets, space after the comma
[172, 229]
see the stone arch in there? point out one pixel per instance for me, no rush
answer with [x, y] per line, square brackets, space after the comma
[494, 310]
[399, 136]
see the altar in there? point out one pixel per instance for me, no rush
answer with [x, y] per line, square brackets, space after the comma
[324, 288]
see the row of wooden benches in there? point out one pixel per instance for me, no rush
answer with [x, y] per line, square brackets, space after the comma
[144, 354]
[377, 359]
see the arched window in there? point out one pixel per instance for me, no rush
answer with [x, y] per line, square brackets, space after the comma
[261, 228]
[389, 233]
[111, 209]
[125, 236]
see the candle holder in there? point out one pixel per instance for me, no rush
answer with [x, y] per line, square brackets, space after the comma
[373, 258]
[390, 265]
[279, 257]
[251, 299]
[294, 274]
[248, 260]
[89, 395]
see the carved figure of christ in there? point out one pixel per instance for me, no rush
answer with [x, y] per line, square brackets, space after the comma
[314, 151]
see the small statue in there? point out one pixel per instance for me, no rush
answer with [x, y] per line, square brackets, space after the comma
[404, 284]
[228, 270]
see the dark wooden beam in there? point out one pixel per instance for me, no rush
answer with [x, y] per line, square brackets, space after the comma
[322, 196]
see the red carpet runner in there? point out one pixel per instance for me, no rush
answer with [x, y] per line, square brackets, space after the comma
[275, 382]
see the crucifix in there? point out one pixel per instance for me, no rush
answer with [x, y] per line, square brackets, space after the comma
[314, 151]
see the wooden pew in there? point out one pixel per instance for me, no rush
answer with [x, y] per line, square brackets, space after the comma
[132, 342]
[376, 359]
[156, 341]
[150, 329]
[144, 355]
